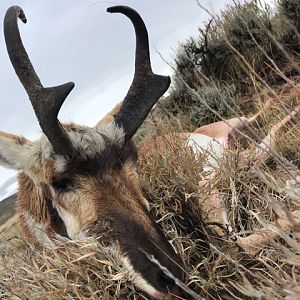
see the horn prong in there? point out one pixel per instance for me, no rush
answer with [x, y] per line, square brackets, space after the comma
[46, 102]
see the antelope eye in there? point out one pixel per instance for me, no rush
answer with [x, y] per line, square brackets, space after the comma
[62, 184]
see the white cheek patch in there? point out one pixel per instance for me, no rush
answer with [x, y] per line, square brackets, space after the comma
[71, 222]
[137, 278]
[38, 230]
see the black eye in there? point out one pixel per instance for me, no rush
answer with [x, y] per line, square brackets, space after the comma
[62, 184]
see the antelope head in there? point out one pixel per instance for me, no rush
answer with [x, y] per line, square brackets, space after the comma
[88, 172]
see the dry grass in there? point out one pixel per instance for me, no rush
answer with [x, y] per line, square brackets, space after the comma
[217, 267]
[76, 270]
[256, 194]
[9, 229]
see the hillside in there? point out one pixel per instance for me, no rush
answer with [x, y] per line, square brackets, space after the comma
[7, 208]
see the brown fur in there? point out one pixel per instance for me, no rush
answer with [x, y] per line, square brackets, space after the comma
[35, 200]
[32, 202]
[19, 139]
[103, 184]
[119, 192]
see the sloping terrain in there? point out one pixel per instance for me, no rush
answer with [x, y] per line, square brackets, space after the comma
[7, 208]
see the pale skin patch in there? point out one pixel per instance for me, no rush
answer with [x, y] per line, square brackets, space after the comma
[255, 242]
[214, 149]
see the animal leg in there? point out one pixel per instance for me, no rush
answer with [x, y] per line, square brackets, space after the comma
[269, 141]
[222, 130]
[215, 210]
[255, 242]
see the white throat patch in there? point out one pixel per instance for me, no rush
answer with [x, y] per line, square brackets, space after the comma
[137, 278]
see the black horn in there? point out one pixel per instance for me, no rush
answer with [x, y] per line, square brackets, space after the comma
[46, 102]
[146, 87]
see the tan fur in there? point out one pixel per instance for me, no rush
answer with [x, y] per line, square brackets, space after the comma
[31, 202]
[161, 143]
[118, 192]
[82, 207]
[20, 139]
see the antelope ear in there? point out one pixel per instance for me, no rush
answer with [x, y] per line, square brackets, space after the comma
[15, 151]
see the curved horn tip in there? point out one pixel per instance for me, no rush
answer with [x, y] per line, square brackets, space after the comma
[22, 16]
[19, 12]
[120, 9]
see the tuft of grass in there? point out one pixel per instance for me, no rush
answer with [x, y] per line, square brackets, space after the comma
[255, 194]
[74, 270]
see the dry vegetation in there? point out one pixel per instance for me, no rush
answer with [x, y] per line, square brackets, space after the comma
[256, 194]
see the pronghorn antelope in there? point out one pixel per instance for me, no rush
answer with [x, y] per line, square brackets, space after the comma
[80, 181]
